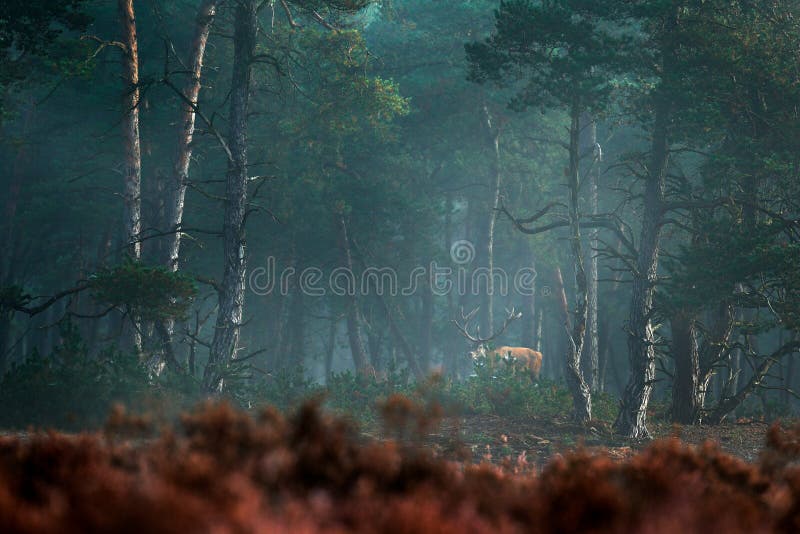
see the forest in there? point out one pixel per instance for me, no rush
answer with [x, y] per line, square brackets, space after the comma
[399, 265]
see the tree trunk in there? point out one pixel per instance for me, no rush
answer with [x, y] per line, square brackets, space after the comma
[354, 334]
[632, 418]
[529, 304]
[591, 353]
[537, 343]
[11, 237]
[493, 132]
[295, 351]
[375, 349]
[231, 293]
[451, 360]
[176, 190]
[400, 340]
[174, 193]
[688, 392]
[426, 327]
[132, 170]
[330, 349]
[581, 394]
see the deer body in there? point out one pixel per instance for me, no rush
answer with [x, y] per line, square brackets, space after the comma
[520, 358]
[523, 358]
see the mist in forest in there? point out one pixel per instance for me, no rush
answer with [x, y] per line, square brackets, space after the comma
[519, 208]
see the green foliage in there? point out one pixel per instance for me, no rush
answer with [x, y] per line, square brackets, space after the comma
[555, 54]
[70, 389]
[357, 396]
[12, 297]
[760, 259]
[284, 389]
[149, 292]
[499, 389]
[31, 30]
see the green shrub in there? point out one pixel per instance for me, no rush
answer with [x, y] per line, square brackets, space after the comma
[284, 389]
[69, 389]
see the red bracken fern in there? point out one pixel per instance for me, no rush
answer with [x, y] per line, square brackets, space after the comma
[227, 471]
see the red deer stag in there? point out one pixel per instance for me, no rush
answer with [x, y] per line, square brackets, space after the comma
[519, 358]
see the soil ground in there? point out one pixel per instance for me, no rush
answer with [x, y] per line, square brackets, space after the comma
[494, 438]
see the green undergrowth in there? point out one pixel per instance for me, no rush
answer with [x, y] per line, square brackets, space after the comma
[74, 389]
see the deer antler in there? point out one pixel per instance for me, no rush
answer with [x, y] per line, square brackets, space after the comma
[511, 316]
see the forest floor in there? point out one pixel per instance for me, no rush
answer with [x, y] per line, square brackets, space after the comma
[497, 439]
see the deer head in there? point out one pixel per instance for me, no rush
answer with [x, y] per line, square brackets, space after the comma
[479, 343]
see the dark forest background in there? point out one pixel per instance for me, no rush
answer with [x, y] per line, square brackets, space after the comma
[641, 157]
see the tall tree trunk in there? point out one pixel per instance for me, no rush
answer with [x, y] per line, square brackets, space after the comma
[132, 164]
[451, 359]
[176, 190]
[231, 293]
[688, 392]
[11, 237]
[529, 303]
[632, 418]
[581, 394]
[493, 132]
[354, 334]
[296, 348]
[537, 343]
[375, 348]
[330, 348]
[402, 344]
[591, 353]
[132, 173]
[426, 327]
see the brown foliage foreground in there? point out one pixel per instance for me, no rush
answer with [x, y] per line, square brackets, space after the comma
[225, 471]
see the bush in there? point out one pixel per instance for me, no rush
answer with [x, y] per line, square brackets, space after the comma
[69, 389]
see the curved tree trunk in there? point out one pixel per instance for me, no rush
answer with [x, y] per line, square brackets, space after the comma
[231, 293]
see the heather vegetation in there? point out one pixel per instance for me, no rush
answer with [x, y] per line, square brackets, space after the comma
[224, 470]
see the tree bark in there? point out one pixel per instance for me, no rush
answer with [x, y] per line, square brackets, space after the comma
[296, 330]
[231, 293]
[176, 190]
[728, 404]
[529, 304]
[632, 418]
[354, 334]
[132, 169]
[581, 394]
[426, 327]
[688, 391]
[330, 349]
[591, 353]
[400, 340]
[493, 132]
[537, 344]
[12, 238]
